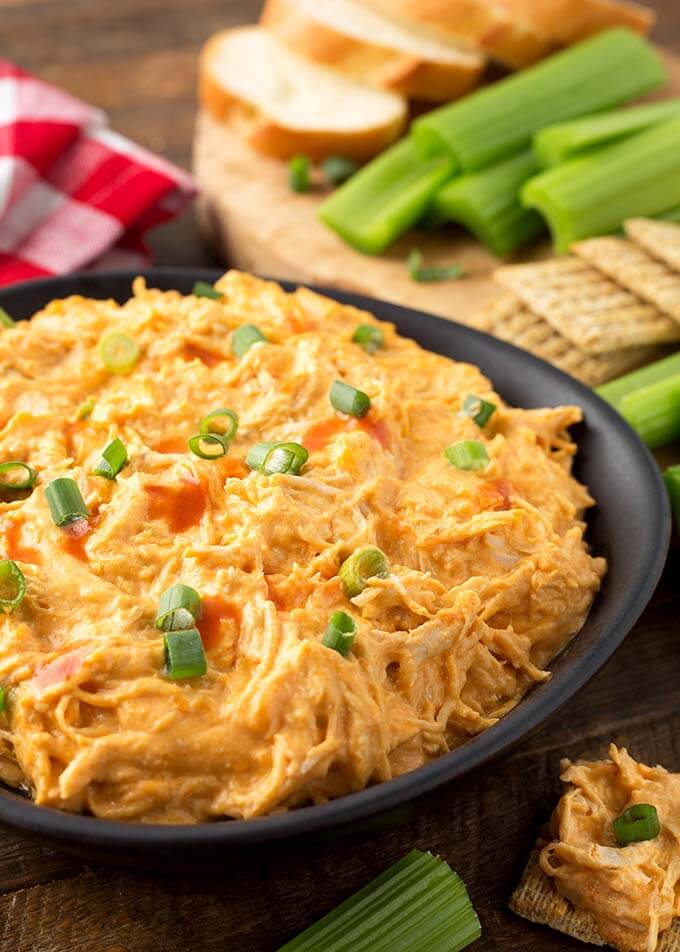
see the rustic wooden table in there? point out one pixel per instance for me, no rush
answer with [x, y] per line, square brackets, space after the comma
[137, 59]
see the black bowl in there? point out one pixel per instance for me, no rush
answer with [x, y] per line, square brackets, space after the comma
[630, 526]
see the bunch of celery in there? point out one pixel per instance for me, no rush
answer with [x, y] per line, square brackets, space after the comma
[489, 131]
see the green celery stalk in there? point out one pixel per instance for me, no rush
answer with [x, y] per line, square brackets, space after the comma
[671, 477]
[496, 121]
[594, 195]
[672, 214]
[615, 390]
[417, 905]
[487, 204]
[566, 140]
[385, 198]
[654, 411]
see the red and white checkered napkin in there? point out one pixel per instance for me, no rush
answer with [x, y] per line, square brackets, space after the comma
[74, 194]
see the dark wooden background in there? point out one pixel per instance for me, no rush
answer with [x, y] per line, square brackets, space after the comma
[137, 60]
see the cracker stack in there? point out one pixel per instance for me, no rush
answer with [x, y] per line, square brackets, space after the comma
[599, 312]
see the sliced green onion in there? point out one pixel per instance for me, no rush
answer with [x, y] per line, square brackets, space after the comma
[114, 457]
[636, 824]
[488, 204]
[203, 289]
[17, 475]
[467, 454]
[386, 197]
[500, 119]
[285, 458]
[3, 701]
[179, 608]
[12, 585]
[257, 455]
[209, 445]
[5, 319]
[654, 411]
[566, 140]
[337, 169]
[431, 273]
[223, 422]
[369, 337]
[362, 565]
[65, 501]
[594, 195]
[614, 391]
[417, 905]
[119, 353]
[184, 654]
[479, 410]
[244, 337]
[671, 477]
[348, 399]
[340, 633]
[85, 409]
[298, 173]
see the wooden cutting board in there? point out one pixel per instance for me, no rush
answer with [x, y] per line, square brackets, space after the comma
[253, 220]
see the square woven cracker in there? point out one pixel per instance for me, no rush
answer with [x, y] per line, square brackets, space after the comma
[635, 270]
[508, 319]
[660, 238]
[537, 899]
[586, 307]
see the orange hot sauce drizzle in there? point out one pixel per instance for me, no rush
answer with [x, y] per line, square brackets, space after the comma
[207, 357]
[320, 435]
[181, 506]
[214, 609]
[16, 550]
[75, 535]
[171, 444]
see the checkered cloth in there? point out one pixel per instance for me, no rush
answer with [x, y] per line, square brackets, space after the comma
[74, 194]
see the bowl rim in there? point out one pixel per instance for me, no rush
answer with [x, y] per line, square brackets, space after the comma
[50, 823]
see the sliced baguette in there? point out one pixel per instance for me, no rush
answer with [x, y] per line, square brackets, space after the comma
[281, 104]
[567, 21]
[365, 44]
[482, 25]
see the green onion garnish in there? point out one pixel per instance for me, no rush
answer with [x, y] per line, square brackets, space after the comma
[419, 272]
[637, 823]
[223, 422]
[184, 654]
[369, 337]
[85, 409]
[119, 353]
[270, 458]
[65, 501]
[480, 410]
[337, 169]
[5, 319]
[203, 289]
[672, 479]
[340, 633]
[362, 565]
[244, 337]
[417, 905]
[114, 457]
[298, 173]
[348, 399]
[17, 475]
[12, 585]
[467, 454]
[179, 608]
[3, 701]
[209, 445]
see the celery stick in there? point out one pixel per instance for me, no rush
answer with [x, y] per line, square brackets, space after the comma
[594, 195]
[487, 204]
[672, 214]
[498, 120]
[654, 411]
[566, 140]
[672, 479]
[417, 905]
[615, 390]
[386, 197]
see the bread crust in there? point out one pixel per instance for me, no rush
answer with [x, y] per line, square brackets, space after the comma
[568, 21]
[386, 68]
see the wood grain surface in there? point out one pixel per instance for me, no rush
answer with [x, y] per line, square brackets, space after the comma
[136, 59]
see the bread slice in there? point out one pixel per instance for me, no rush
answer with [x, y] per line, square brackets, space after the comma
[567, 21]
[369, 46]
[482, 25]
[281, 104]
